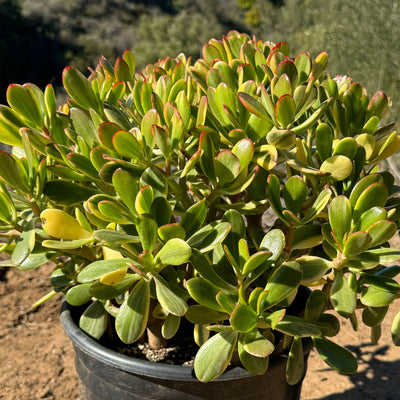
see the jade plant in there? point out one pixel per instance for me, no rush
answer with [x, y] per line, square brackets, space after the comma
[207, 193]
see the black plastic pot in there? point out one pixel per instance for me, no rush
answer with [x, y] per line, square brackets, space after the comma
[105, 374]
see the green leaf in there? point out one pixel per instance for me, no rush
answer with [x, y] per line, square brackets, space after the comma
[315, 306]
[99, 268]
[131, 320]
[170, 326]
[343, 298]
[194, 217]
[363, 184]
[306, 237]
[171, 231]
[285, 110]
[207, 160]
[198, 314]
[374, 297]
[340, 217]
[335, 356]
[318, 205]
[83, 125]
[244, 151]
[338, 166]
[144, 199]
[324, 140]
[36, 259]
[147, 230]
[107, 292]
[281, 139]
[168, 298]
[266, 156]
[273, 241]
[294, 193]
[204, 293]
[381, 232]
[66, 244]
[375, 195]
[79, 88]
[126, 187]
[209, 236]
[373, 316]
[215, 355]
[253, 106]
[243, 318]
[272, 319]
[295, 362]
[255, 260]
[227, 167]
[65, 193]
[94, 320]
[256, 344]
[79, 295]
[25, 244]
[11, 173]
[371, 216]
[314, 268]
[126, 145]
[24, 102]
[256, 365]
[346, 147]
[396, 330]
[174, 252]
[357, 243]
[273, 193]
[329, 325]
[295, 326]
[283, 282]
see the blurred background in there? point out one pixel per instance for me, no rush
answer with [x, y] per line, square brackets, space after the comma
[39, 37]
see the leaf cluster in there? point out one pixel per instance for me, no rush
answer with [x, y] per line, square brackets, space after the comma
[148, 189]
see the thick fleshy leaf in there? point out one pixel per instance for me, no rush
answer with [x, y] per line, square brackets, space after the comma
[147, 229]
[194, 217]
[314, 268]
[294, 193]
[79, 295]
[243, 318]
[62, 225]
[256, 365]
[295, 362]
[65, 244]
[257, 344]
[357, 243]
[126, 145]
[227, 167]
[324, 140]
[273, 193]
[374, 297]
[171, 231]
[255, 260]
[207, 160]
[340, 217]
[108, 292]
[198, 314]
[25, 244]
[285, 110]
[36, 259]
[381, 232]
[363, 184]
[11, 173]
[244, 151]
[113, 278]
[373, 316]
[144, 199]
[79, 88]
[210, 236]
[174, 252]
[338, 166]
[94, 320]
[84, 126]
[170, 326]
[335, 356]
[296, 326]
[114, 237]
[204, 293]
[65, 193]
[266, 156]
[215, 355]
[253, 106]
[315, 306]
[343, 298]
[99, 268]
[318, 206]
[24, 102]
[396, 330]
[346, 147]
[371, 216]
[131, 320]
[281, 139]
[307, 236]
[374, 195]
[368, 142]
[284, 281]
[273, 241]
[169, 298]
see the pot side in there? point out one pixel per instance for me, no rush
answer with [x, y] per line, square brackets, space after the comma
[106, 374]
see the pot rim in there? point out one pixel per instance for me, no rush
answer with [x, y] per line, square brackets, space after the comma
[148, 368]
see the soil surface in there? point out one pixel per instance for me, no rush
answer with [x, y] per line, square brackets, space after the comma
[37, 358]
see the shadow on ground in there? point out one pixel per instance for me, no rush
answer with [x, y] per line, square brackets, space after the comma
[376, 379]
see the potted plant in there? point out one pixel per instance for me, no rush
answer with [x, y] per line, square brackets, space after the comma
[149, 191]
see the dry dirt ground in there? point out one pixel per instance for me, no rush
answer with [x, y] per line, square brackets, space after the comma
[36, 357]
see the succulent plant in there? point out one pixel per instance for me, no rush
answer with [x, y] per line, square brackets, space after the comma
[149, 191]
